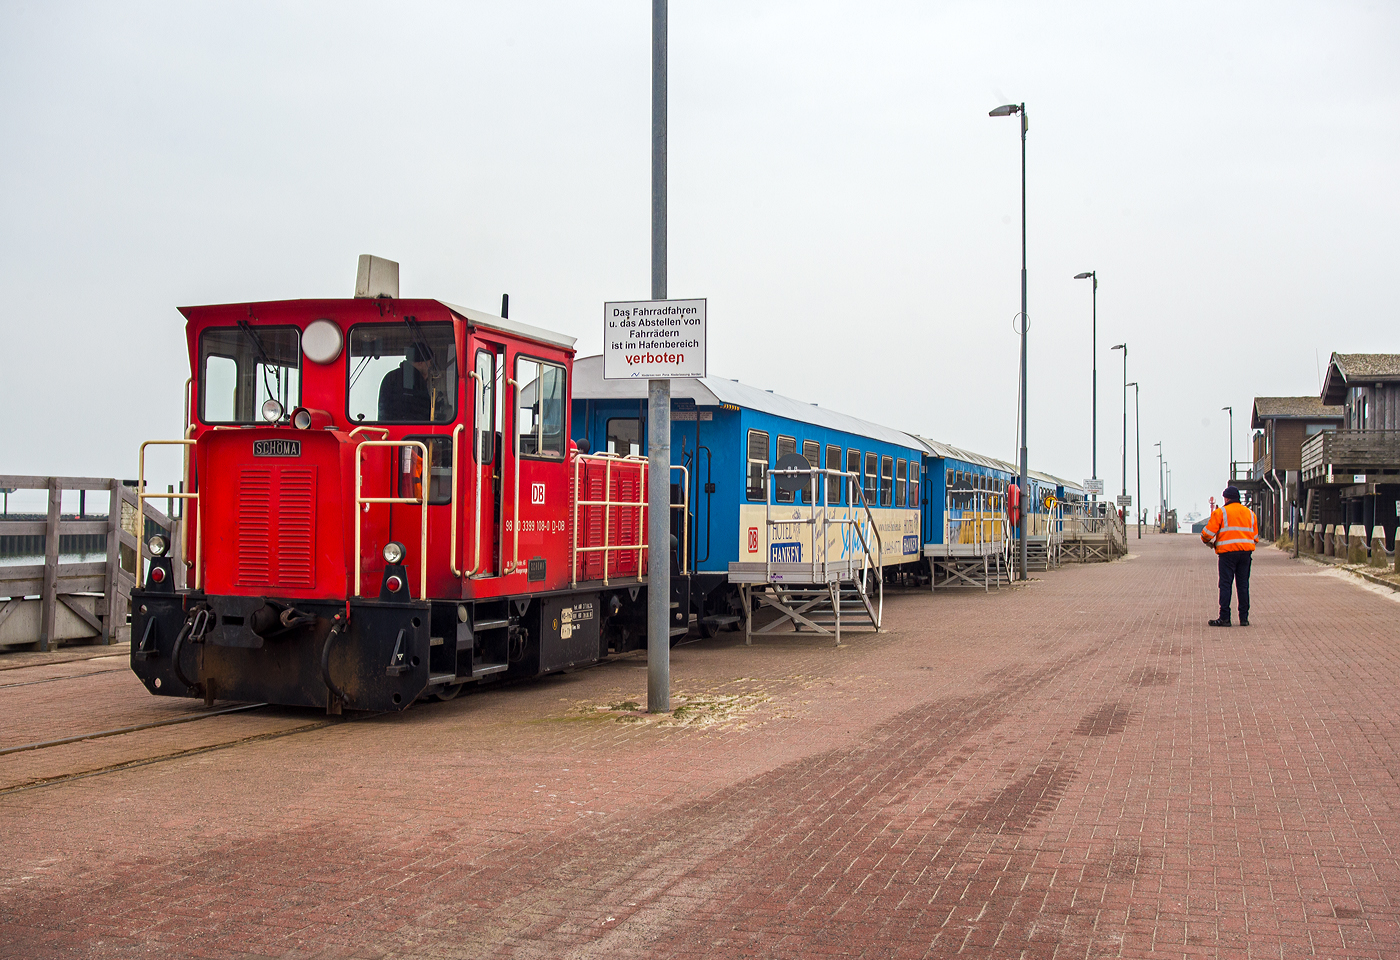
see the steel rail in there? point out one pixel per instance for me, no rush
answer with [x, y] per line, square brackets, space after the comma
[74, 676]
[117, 731]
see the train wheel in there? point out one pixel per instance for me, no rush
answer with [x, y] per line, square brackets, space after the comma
[448, 692]
[706, 630]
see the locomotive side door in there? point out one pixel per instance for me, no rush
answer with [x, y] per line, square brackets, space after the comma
[488, 467]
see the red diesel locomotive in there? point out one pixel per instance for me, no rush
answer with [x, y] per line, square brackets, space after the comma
[383, 503]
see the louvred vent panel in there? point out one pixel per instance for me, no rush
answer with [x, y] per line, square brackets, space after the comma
[277, 527]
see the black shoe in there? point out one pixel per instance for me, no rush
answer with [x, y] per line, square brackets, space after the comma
[1222, 622]
[1244, 621]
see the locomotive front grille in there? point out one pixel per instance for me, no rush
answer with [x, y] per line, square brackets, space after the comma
[276, 527]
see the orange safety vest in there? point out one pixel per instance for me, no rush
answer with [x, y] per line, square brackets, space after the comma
[1231, 528]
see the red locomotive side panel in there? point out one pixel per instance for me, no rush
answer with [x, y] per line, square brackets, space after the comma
[272, 509]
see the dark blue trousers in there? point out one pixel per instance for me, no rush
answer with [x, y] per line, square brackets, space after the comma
[1234, 572]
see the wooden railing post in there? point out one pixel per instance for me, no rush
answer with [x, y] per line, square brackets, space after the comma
[113, 612]
[48, 598]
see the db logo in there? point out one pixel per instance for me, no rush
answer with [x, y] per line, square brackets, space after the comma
[753, 539]
[537, 493]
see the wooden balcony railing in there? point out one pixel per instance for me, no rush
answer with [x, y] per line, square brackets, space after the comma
[1351, 451]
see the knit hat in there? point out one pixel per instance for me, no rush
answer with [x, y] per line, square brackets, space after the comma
[1232, 494]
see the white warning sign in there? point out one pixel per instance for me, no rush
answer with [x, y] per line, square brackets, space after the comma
[654, 340]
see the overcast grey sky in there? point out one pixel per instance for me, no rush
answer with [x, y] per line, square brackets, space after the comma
[837, 191]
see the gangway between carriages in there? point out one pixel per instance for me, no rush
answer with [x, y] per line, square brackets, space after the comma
[976, 542]
[841, 581]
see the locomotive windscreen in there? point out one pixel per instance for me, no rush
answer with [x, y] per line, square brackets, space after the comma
[241, 367]
[402, 373]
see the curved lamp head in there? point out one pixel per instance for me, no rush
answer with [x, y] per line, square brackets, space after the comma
[1084, 276]
[1006, 110]
[1121, 346]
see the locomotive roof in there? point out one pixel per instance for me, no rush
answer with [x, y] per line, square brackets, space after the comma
[477, 318]
[713, 391]
[481, 319]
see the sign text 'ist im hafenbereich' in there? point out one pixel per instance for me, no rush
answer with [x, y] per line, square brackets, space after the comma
[654, 340]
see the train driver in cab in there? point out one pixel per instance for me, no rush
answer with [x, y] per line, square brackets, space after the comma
[412, 391]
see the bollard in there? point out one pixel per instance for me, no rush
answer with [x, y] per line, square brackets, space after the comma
[1310, 537]
[1378, 547]
[1328, 544]
[1356, 544]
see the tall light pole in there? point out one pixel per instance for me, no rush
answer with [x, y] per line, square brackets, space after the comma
[658, 403]
[1230, 477]
[1006, 111]
[1094, 360]
[1161, 492]
[1124, 348]
[1137, 439]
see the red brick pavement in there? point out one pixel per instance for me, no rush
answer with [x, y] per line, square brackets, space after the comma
[1074, 768]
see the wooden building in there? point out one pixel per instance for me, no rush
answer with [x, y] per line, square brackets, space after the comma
[1282, 425]
[1351, 475]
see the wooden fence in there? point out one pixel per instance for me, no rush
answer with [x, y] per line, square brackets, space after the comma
[45, 604]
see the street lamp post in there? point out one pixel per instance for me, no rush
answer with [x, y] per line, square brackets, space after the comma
[1006, 111]
[1161, 500]
[1231, 475]
[1137, 439]
[1124, 348]
[1094, 360]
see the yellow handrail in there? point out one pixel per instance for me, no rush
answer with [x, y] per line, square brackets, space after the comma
[515, 507]
[421, 499]
[141, 498]
[607, 503]
[456, 481]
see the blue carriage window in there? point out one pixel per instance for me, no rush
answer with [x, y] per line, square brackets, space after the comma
[914, 483]
[833, 484]
[901, 488]
[872, 479]
[625, 436]
[853, 481]
[786, 446]
[812, 453]
[886, 481]
[758, 465]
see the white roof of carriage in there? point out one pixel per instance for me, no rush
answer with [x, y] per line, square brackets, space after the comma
[713, 391]
[946, 450]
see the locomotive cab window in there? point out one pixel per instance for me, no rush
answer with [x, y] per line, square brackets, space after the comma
[438, 469]
[242, 367]
[402, 373]
[625, 436]
[484, 389]
[539, 418]
[758, 465]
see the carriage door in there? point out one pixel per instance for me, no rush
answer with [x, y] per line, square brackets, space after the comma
[488, 461]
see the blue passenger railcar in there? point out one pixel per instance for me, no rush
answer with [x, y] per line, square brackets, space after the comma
[964, 508]
[728, 435]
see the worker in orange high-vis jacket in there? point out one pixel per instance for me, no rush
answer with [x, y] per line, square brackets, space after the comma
[1232, 531]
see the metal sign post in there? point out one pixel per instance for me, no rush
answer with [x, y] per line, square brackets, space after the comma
[658, 403]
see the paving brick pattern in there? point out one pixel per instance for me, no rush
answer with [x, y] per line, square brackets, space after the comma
[1077, 767]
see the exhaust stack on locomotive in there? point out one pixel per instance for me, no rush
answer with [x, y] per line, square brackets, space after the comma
[383, 503]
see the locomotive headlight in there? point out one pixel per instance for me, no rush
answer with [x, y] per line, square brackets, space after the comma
[301, 419]
[157, 546]
[393, 552]
[271, 410]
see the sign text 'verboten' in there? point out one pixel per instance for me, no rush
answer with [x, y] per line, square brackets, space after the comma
[654, 340]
